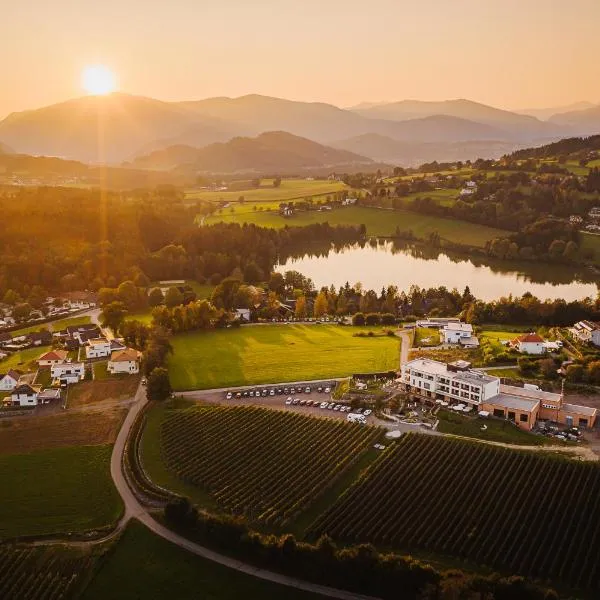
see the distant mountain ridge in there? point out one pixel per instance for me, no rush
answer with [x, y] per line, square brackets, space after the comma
[584, 122]
[120, 127]
[274, 152]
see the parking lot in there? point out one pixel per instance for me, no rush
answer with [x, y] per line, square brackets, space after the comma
[307, 398]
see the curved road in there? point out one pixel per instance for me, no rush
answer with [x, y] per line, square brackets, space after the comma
[133, 509]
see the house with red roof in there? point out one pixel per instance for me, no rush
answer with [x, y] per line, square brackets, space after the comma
[529, 343]
[52, 357]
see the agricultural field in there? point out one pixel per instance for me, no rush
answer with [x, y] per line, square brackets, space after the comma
[519, 512]
[276, 353]
[143, 565]
[36, 573]
[378, 222]
[290, 189]
[20, 435]
[58, 491]
[110, 388]
[266, 464]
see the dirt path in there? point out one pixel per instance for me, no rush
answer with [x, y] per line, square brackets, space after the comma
[406, 338]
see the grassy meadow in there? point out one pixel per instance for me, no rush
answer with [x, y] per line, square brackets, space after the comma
[276, 353]
[57, 491]
[52, 325]
[143, 565]
[290, 189]
[378, 223]
[22, 360]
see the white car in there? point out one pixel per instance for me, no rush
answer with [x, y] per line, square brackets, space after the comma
[229, 396]
[327, 390]
[367, 412]
[272, 393]
[324, 405]
[289, 400]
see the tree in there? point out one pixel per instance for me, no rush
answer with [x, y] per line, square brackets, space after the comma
[301, 307]
[277, 182]
[155, 297]
[358, 319]
[22, 311]
[112, 315]
[158, 387]
[593, 372]
[173, 297]
[321, 305]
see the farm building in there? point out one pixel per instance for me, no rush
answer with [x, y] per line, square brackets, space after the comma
[453, 383]
[124, 361]
[529, 343]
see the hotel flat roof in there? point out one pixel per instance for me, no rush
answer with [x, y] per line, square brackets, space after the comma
[510, 401]
[531, 394]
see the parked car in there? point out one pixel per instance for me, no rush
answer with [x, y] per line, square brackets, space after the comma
[245, 394]
[229, 396]
[307, 390]
[144, 381]
[286, 390]
[295, 401]
[251, 394]
[279, 391]
[272, 393]
[358, 411]
[367, 412]
[302, 402]
[337, 407]
[289, 400]
[320, 390]
[238, 395]
[331, 405]
[327, 390]
[264, 392]
[292, 390]
[324, 405]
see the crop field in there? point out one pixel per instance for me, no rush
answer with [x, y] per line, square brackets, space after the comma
[57, 491]
[378, 223]
[143, 565]
[289, 189]
[21, 435]
[112, 388]
[40, 573]
[266, 464]
[277, 353]
[522, 513]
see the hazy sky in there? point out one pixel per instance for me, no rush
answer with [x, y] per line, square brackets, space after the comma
[509, 53]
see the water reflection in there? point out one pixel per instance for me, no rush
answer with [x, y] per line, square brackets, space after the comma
[380, 263]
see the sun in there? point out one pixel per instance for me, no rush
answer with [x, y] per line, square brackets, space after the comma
[98, 80]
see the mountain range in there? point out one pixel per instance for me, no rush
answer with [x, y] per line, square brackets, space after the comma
[120, 127]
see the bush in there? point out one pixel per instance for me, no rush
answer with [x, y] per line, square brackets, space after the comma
[372, 319]
[358, 319]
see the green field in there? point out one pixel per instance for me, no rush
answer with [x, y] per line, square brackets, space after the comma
[378, 223]
[276, 353]
[21, 360]
[427, 336]
[52, 325]
[289, 189]
[57, 491]
[144, 565]
[589, 241]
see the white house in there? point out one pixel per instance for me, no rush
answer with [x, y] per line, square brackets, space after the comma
[25, 395]
[97, 348]
[453, 332]
[529, 343]
[9, 380]
[52, 357]
[68, 372]
[124, 361]
[587, 332]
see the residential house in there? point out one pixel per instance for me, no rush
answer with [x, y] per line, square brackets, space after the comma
[5, 338]
[25, 395]
[40, 338]
[52, 357]
[9, 380]
[83, 333]
[529, 343]
[97, 348]
[453, 332]
[48, 395]
[587, 332]
[124, 361]
[438, 322]
[68, 372]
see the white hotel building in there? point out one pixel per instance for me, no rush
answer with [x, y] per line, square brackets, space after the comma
[450, 382]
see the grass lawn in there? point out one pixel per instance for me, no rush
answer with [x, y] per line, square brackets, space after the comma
[497, 430]
[499, 336]
[101, 371]
[510, 372]
[143, 565]
[52, 325]
[378, 223]
[589, 241]
[57, 491]
[43, 377]
[427, 336]
[277, 353]
[22, 360]
[289, 189]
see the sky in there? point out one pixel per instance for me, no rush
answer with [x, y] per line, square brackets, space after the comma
[509, 53]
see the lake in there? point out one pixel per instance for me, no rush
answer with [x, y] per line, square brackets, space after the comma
[379, 264]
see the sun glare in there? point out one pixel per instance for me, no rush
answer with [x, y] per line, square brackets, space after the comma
[98, 80]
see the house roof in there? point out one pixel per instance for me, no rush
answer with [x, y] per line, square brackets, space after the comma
[579, 410]
[49, 394]
[12, 374]
[453, 326]
[510, 401]
[526, 393]
[26, 388]
[127, 355]
[81, 328]
[97, 341]
[528, 338]
[54, 355]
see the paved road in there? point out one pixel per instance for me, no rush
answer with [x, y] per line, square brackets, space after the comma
[406, 337]
[133, 509]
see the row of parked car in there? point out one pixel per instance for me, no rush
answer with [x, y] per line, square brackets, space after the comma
[276, 391]
[325, 405]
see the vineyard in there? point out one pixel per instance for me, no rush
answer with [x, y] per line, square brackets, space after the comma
[39, 573]
[266, 464]
[519, 512]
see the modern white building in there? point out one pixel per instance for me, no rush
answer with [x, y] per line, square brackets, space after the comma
[68, 372]
[448, 382]
[97, 348]
[587, 332]
[25, 395]
[453, 332]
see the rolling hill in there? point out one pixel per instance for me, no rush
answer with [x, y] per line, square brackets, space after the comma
[545, 113]
[274, 152]
[584, 122]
